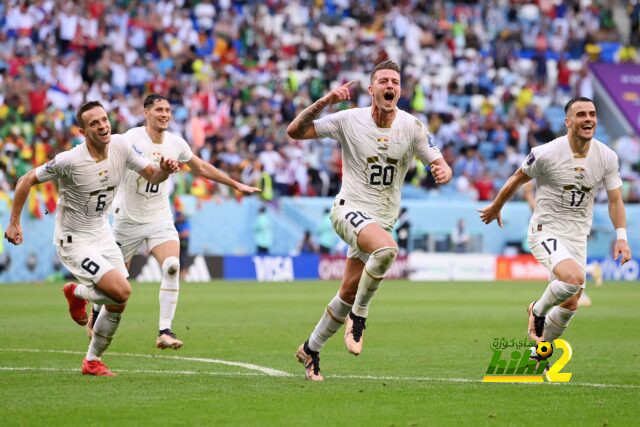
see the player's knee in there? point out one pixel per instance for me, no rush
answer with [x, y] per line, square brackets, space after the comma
[121, 293]
[572, 303]
[576, 278]
[171, 272]
[381, 260]
[348, 295]
[115, 308]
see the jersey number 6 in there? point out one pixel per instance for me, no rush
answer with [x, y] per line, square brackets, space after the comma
[90, 266]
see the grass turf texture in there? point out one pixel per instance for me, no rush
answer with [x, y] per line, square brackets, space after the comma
[426, 347]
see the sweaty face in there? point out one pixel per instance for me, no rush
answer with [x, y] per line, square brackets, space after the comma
[582, 120]
[158, 115]
[385, 90]
[97, 128]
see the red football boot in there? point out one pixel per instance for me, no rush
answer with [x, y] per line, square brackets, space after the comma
[77, 306]
[96, 367]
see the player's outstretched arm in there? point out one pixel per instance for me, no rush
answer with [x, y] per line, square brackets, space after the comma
[156, 175]
[14, 230]
[201, 168]
[302, 126]
[441, 171]
[491, 212]
[619, 220]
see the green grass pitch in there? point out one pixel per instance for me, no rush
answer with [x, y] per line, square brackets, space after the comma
[426, 352]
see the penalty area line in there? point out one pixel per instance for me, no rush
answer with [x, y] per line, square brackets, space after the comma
[250, 366]
[277, 373]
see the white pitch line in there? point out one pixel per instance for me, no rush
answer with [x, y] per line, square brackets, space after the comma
[274, 372]
[478, 381]
[268, 371]
[135, 371]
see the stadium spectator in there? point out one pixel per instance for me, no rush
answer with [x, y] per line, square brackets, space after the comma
[326, 235]
[460, 238]
[483, 73]
[183, 227]
[262, 232]
[307, 245]
[403, 231]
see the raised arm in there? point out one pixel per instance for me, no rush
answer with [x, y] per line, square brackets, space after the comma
[492, 211]
[156, 175]
[302, 126]
[207, 170]
[619, 220]
[14, 230]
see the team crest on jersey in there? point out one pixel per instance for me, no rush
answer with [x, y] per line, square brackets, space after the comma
[155, 156]
[383, 143]
[103, 175]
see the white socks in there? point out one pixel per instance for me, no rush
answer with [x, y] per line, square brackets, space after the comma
[93, 295]
[103, 331]
[557, 321]
[378, 264]
[556, 293]
[329, 323]
[169, 289]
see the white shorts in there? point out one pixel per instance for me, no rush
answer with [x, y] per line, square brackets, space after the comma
[89, 261]
[549, 249]
[348, 222]
[130, 235]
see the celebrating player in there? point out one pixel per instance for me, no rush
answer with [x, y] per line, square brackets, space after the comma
[142, 212]
[378, 145]
[568, 171]
[88, 176]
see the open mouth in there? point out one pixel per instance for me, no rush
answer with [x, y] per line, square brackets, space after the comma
[105, 133]
[587, 127]
[388, 96]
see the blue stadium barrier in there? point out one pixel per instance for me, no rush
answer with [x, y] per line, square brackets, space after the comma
[225, 229]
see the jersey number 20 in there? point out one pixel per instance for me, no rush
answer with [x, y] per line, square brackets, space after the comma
[382, 175]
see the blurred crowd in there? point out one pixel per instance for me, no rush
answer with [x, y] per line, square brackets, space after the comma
[485, 76]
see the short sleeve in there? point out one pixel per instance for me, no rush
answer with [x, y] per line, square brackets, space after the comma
[532, 166]
[54, 168]
[134, 159]
[185, 152]
[612, 173]
[330, 126]
[424, 145]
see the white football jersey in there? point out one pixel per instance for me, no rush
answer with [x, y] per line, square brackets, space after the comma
[566, 185]
[87, 188]
[375, 160]
[138, 200]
